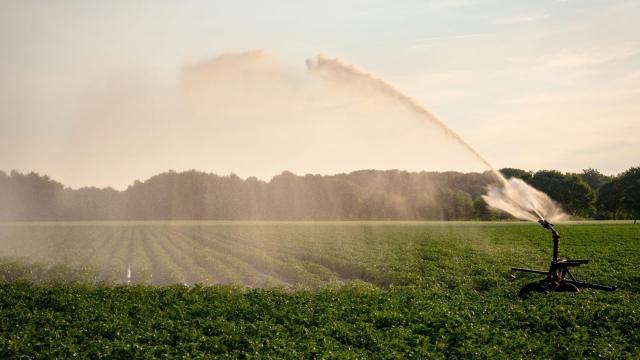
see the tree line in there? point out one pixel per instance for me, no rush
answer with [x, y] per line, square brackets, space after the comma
[359, 195]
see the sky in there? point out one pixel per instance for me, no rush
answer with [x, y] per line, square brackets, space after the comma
[92, 93]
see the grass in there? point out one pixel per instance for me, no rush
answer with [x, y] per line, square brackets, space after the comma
[336, 290]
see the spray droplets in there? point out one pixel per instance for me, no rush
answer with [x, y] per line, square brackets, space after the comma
[340, 72]
[512, 195]
[524, 202]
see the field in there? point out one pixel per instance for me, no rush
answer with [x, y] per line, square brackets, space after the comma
[317, 289]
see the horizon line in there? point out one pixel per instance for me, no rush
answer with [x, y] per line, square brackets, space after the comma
[231, 174]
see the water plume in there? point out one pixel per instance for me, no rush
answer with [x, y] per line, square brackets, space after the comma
[339, 71]
[513, 195]
[523, 201]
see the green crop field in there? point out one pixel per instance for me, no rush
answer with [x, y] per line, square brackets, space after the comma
[312, 290]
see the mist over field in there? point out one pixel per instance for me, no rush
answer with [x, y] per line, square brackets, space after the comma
[251, 110]
[442, 179]
[249, 113]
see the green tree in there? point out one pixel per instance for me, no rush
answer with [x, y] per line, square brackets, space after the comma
[461, 205]
[575, 196]
[517, 173]
[594, 178]
[481, 210]
[630, 192]
[608, 203]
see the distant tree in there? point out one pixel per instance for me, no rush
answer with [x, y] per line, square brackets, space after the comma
[461, 205]
[630, 192]
[364, 194]
[608, 200]
[594, 178]
[517, 173]
[32, 197]
[5, 203]
[575, 196]
[481, 210]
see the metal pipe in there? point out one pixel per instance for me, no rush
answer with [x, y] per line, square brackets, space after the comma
[554, 234]
[530, 271]
[556, 242]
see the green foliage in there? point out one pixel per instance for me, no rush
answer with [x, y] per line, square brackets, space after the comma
[417, 290]
[571, 191]
[481, 210]
[359, 195]
[462, 205]
[630, 191]
[609, 200]
[517, 173]
[594, 178]
[620, 198]
[193, 195]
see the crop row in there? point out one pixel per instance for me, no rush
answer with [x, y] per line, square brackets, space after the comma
[147, 254]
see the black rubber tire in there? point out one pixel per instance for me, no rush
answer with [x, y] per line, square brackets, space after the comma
[531, 288]
[566, 287]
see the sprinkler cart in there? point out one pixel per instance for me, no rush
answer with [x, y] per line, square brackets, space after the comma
[558, 278]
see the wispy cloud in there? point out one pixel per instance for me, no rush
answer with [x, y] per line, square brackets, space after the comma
[592, 56]
[624, 88]
[580, 57]
[566, 97]
[519, 19]
[432, 40]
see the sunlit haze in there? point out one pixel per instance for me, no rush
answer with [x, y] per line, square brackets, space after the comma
[103, 93]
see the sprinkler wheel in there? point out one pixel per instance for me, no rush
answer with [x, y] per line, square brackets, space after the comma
[558, 278]
[566, 287]
[531, 288]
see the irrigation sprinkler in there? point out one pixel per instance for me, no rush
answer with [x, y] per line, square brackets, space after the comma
[558, 278]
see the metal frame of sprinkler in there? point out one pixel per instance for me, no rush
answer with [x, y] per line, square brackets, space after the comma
[558, 278]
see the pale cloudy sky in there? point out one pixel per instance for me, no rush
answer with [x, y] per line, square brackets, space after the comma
[529, 84]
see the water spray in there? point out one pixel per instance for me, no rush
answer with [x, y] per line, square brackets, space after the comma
[558, 278]
[510, 195]
[513, 195]
[338, 71]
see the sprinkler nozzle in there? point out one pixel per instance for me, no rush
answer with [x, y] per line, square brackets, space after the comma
[549, 226]
[545, 224]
